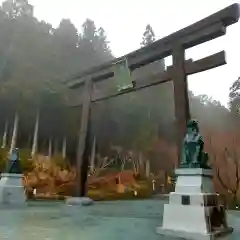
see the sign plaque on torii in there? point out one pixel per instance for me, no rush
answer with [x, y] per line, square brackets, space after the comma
[175, 44]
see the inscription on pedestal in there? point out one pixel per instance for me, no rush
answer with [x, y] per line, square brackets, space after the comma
[185, 200]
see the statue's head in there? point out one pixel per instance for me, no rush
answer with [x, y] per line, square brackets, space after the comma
[192, 126]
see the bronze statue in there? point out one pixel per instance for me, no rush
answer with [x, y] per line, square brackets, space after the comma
[193, 155]
[14, 165]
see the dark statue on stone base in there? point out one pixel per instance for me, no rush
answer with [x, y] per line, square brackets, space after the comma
[193, 155]
[11, 188]
[194, 195]
[14, 165]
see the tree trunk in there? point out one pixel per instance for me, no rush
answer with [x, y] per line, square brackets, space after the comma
[55, 147]
[50, 148]
[93, 154]
[29, 143]
[64, 148]
[4, 140]
[14, 134]
[147, 169]
[141, 166]
[35, 136]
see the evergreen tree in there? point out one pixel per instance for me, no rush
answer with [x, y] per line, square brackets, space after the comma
[93, 45]
[66, 35]
[148, 36]
[102, 43]
[16, 8]
[158, 66]
[89, 30]
[35, 57]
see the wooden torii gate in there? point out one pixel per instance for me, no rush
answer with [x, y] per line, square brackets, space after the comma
[175, 44]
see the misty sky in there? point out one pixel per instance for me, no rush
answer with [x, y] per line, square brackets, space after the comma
[124, 22]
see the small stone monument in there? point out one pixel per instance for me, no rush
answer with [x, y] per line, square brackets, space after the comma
[120, 187]
[194, 211]
[153, 185]
[79, 201]
[11, 186]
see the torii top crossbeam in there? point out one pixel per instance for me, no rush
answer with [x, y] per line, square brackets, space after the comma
[202, 31]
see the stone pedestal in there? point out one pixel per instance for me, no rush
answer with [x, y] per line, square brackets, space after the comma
[80, 201]
[194, 211]
[12, 189]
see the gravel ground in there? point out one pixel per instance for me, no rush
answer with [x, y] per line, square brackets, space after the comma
[118, 220]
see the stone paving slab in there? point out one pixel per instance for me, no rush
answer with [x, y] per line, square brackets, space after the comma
[118, 220]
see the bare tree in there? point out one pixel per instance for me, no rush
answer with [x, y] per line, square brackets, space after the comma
[64, 147]
[227, 172]
[121, 155]
[50, 147]
[35, 136]
[4, 139]
[102, 163]
[15, 132]
[93, 156]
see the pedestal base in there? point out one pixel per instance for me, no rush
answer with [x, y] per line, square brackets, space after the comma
[79, 201]
[194, 236]
[194, 211]
[11, 189]
[194, 222]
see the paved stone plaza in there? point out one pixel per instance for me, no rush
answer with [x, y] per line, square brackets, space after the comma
[136, 220]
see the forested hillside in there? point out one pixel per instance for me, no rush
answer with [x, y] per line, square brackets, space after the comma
[35, 59]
